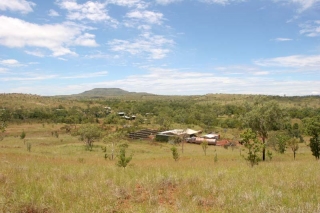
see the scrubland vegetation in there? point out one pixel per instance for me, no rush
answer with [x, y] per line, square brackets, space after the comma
[46, 165]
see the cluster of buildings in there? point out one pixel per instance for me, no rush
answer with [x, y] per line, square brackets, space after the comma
[190, 135]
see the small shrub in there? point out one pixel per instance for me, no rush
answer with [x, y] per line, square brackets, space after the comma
[81, 160]
[175, 153]
[215, 156]
[29, 147]
[22, 135]
[204, 146]
[269, 155]
[254, 146]
[123, 160]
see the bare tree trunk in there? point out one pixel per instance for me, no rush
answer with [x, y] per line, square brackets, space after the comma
[264, 149]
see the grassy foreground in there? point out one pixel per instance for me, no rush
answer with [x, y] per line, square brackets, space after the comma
[59, 175]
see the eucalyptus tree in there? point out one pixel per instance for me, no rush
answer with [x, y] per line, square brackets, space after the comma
[312, 127]
[4, 117]
[89, 133]
[250, 140]
[263, 118]
[113, 139]
[294, 145]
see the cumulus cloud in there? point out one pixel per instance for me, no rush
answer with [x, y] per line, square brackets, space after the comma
[55, 37]
[10, 62]
[171, 81]
[283, 39]
[129, 3]
[302, 4]
[166, 2]
[294, 61]
[38, 77]
[221, 2]
[241, 70]
[87, 75]
[87, 40]
[166, 81]
[53, 13]
[3, 70]
[37, 53]
[155, 46]
[146, 16]
[311, 29]
[93, 11]
[22, 6]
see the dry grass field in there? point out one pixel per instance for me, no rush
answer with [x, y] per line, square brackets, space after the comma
[59, 175]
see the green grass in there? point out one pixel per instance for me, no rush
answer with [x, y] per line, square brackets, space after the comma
[59, 175]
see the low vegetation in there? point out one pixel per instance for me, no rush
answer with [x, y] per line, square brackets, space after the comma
[45, 168]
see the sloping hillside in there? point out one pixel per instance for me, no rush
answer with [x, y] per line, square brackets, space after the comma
[103, 92]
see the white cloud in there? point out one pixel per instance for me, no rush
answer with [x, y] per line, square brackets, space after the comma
[283, 39]
[155, 46]
[222, 2]
[37, 77]
[166, 81]
[241, 70]
[37, 53]
[22, 6]
[294, 61]
[311, 29]
[93, 11]
[88, 75]
[166, 2]
[53, 13]
[302, 4]
[55, 37]
[3, 70]
[86, 40]
[146, 16]
[174, 81]
[129, 3]
[98, 55]
[10, 62]
[144, 27]
[261, 73]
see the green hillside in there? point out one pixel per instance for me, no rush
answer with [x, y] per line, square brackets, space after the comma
[107, 92]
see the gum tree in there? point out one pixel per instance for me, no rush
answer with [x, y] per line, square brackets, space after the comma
[293, 143]
[89, 133]
[113, 139]
[4, 117]
[263, 118]
[250, 140]
[312, 127]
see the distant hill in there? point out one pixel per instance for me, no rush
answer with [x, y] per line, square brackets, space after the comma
[106, 92]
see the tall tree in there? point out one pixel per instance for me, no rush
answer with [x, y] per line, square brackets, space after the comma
[4, 117]
[263, 118]
[312, 127]
[294, 145]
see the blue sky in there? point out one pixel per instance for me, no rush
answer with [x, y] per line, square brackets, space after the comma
[168, 47]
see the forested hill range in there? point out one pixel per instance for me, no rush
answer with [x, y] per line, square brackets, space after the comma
[218, 110]
[99, 95]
